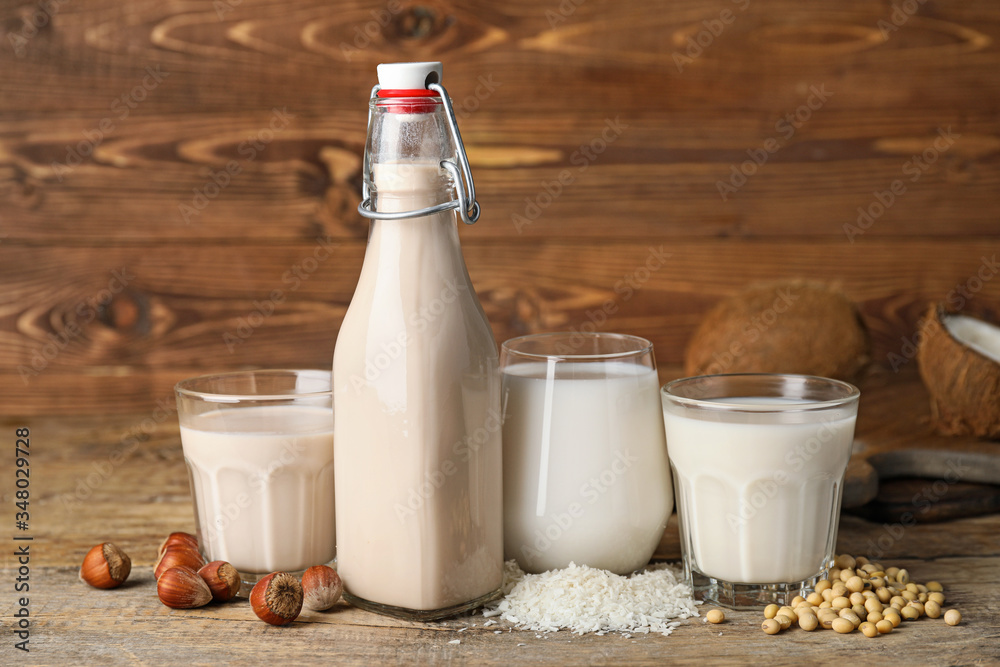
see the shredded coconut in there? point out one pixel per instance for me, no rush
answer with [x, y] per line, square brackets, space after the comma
[584, 599]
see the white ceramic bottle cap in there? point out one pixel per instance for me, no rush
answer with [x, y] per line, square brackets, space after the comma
[408, 76]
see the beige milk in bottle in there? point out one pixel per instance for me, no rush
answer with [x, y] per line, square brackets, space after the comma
[416, 380]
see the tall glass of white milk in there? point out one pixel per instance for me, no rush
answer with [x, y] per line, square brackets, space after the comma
[259, 451]
[758, 462]
[585, 470]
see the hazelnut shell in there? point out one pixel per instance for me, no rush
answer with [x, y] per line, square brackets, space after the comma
[222, 578]
[180, 539]
[182, 588]
[178, 555]
[277, 598]
[105, 566]
[321, 587]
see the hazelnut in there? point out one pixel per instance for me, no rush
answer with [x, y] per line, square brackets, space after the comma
[178, 538]
[177, 555]
[105, 566]
[182, 588]
[222, 579]
[321, 587]
[277, 598]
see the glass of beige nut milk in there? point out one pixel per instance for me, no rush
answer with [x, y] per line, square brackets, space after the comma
[259, 451]
[585, 472]
[758, 462]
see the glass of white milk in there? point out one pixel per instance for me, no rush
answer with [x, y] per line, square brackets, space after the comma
[758, 462]
[259, 451]
[585, 471]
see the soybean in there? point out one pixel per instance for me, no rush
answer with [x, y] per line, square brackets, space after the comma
[884, 627]
[715, 616]
[850, 616]
[909, 613]
[771, 610]
[784, 621]
[932, 609]
[808, 622]
[842, 625]
[868, 629]
[845, 561]
[770, 626]
[953, 617]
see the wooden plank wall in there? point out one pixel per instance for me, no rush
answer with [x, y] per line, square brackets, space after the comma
[123, 266]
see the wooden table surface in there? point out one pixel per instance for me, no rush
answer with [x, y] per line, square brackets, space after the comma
[92, 482]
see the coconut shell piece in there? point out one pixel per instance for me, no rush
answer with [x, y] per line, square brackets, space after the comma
[790, 326]
[963, 383]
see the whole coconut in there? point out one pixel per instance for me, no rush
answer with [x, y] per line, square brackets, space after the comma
[959, 358]
[790, 326]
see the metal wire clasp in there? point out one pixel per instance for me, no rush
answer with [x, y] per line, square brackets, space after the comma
[461, 174]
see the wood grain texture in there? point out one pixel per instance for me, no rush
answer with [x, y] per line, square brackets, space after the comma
[190, 311]
[115, 117]
[81, 498]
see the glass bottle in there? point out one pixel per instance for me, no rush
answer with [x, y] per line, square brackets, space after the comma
[416, 376]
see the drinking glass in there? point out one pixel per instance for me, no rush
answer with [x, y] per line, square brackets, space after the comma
[259, 451]
[585, 471]
[758, 462]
